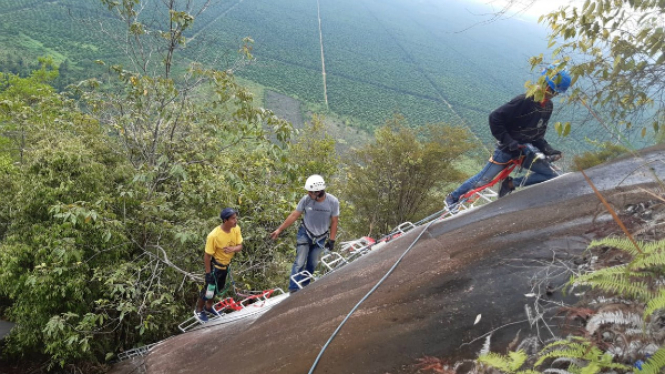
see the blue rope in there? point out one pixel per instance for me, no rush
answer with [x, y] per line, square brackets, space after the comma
[323, 349]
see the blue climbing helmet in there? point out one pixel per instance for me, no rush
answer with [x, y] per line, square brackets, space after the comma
[561, 80]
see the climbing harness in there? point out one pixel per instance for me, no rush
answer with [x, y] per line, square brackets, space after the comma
[485, 194]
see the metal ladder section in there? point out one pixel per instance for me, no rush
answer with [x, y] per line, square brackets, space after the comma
[349, 252]
[331, 261]
[355, 249]
[135, 352]
[465, 204]
[227, 306]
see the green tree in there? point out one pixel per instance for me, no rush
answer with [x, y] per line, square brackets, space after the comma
[111, 209]
[618, 56]
[401, 177]
[143, 38]
[314, 151]
[26, 105]
[116, 194]
[60, 228]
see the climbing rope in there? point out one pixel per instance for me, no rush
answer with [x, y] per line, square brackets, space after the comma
[227, 284]
[325, 346]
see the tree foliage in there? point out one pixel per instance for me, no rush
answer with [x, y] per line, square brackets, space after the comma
[314, 151]
[111, 189]
[606, 151]
[400, 177]
[105, 214]
[616, 49]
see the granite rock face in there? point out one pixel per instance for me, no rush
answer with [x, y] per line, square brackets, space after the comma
[489, 262]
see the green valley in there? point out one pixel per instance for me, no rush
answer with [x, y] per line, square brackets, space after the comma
[432, 61]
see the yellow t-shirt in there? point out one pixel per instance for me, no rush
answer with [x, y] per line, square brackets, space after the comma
[218, 239]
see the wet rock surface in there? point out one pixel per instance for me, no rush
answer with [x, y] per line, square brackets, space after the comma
[493, 261]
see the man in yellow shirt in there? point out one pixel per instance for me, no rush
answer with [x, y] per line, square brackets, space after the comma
[221, 245]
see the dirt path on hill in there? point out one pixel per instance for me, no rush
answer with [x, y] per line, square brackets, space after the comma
[323, 57]
[284, 107]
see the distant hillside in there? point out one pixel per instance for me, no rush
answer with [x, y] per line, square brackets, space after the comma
[386, 56]
[431, 60]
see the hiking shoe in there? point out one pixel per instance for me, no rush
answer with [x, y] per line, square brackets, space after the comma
[450, 201]
[212, 311]
[201, 316]
[506, 187]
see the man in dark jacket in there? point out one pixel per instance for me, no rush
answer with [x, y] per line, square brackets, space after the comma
[522, 120]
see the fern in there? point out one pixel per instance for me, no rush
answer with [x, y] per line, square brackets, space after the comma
[555, 371]
[653, 247]
[595, 359]
[648, 260]
[619, 269]
[530, 344]
[640, 281]
[623, 279]
[617, 318]
[592, 368]
[618, 280]
[558, 343]
[567, 360]
[653, 254]
[654, 304]
[573, 351]
[622, 244]
[654, 363]
[507, 364]
[634, 332]
[486, 346]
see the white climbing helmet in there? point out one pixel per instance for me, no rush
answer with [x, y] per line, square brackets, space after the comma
[315, 183]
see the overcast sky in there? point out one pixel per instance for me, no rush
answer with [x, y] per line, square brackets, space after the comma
[541, 7]
[531, 8]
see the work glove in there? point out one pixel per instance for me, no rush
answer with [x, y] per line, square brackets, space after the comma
[210, 278]
[514, 146]
[555, 156]
[330, 244]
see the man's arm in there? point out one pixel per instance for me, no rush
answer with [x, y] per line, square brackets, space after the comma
[287, 222]
[500, 120]
[233, 249]
[333, 227]
[207, 260]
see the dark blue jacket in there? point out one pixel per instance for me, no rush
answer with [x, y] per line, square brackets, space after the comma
[521, 119]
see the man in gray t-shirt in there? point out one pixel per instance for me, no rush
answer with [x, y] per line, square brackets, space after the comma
[321, 211]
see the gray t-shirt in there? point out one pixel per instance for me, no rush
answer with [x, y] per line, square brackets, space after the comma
[318, 214]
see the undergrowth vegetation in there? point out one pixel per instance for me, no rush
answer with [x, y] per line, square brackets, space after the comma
[604, 152]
